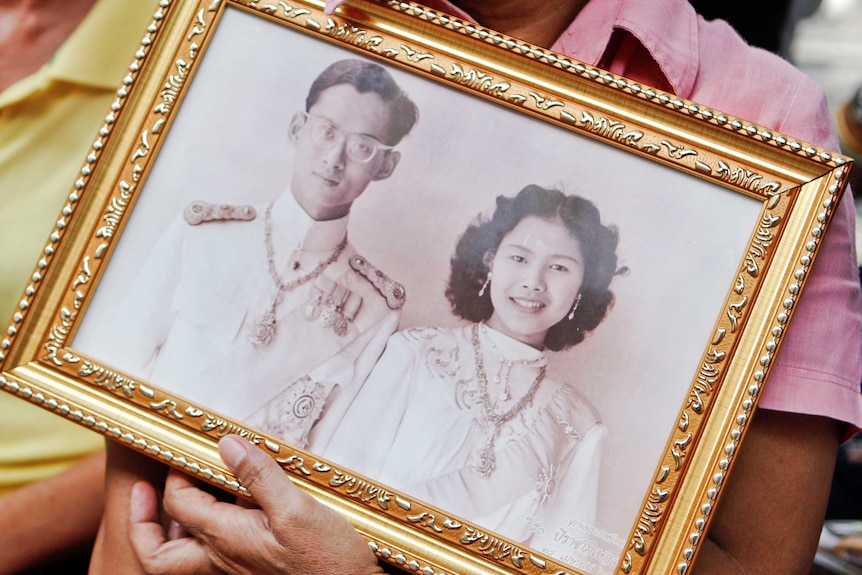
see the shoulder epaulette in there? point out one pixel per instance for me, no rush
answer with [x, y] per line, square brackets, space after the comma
[390, 289]
[199, 212]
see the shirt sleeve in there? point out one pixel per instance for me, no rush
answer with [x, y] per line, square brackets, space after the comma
[565, 528]
[819, 366]
[146, 312]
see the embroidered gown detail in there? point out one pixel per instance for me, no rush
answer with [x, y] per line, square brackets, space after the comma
[419, 425]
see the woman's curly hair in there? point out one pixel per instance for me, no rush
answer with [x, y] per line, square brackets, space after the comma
[475, 249]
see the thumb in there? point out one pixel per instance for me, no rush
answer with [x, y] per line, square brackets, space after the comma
[256, 471]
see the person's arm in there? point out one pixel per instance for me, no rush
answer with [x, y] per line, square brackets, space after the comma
[291, 533]
[52, 519]
[123, 468]
[770, 516]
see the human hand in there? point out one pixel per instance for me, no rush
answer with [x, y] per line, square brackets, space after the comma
[289, 534]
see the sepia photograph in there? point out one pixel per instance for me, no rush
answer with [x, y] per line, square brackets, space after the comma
[469, 303]
[454, 299]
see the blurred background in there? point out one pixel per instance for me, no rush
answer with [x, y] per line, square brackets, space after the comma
[828, 47]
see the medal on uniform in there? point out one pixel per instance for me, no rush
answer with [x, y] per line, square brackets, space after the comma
[333, 304]
[311, 311]
[263, 330]
[341, 325]
[332, 317]
[333, 314]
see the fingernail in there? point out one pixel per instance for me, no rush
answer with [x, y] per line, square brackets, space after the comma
[137, 501]
[176, 531]
[331, 5]
[233, 450]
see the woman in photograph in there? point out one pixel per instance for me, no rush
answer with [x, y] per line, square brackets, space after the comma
[466, 418]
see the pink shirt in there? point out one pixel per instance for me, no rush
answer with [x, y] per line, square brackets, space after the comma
[665, 44]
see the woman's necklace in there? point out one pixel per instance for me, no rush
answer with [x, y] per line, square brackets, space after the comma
[505, 369]
[264, 328]
[487, 460]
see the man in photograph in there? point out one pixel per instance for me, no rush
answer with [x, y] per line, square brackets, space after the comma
[262, 313]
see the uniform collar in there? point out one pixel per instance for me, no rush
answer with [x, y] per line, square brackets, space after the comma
[83, 59]
[294, 229]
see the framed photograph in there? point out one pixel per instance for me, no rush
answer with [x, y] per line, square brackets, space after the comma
[507, 312]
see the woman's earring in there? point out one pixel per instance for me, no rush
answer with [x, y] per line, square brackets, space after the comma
[485, 285]
[575, 307]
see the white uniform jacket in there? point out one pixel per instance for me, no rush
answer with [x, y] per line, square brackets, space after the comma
[195, 312]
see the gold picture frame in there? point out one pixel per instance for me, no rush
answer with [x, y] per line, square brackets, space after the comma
[717, 256]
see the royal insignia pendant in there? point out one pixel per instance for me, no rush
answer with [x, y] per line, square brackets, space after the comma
[486, 462]
[263, 329]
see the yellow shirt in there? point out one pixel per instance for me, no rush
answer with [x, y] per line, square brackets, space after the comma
[48, 121]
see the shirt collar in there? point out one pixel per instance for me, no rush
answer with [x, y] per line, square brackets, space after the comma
[113, 23]
[665, 32]
[96, 52]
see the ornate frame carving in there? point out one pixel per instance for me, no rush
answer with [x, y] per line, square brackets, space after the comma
[797, 186]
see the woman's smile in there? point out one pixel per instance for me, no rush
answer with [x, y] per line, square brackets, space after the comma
[529, 304]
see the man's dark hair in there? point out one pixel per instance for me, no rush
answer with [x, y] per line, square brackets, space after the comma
[369, 77]
[469, 265]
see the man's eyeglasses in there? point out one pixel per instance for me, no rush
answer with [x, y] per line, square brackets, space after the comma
[358, 147]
